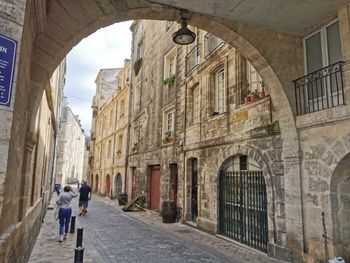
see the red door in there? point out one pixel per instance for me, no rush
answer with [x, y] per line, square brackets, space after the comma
[108, 185]
[155, 187]
[133, 184]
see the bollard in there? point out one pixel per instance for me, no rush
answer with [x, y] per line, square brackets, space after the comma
[72, 225]
[80, 237]
[79, 255]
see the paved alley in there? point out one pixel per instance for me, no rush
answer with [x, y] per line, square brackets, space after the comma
[111, 235]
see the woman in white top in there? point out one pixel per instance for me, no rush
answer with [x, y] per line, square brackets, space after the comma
[65, 212]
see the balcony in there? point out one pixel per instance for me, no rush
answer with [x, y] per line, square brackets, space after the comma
[192, 59]
[211, 43]
[320, 90]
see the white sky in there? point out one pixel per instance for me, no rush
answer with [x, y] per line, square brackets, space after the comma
[106, 48]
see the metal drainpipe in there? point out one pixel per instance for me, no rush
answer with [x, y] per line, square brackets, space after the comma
[128, 130]
[176, 90]
[183, 146]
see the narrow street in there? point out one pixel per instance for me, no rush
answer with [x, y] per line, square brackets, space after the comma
[111, 235]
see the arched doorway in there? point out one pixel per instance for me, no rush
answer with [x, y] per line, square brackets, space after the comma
[118, 184]
[92, 181]
[340, 205]
[243, 202]
[192, 190]
[108, 185]
[96, 183]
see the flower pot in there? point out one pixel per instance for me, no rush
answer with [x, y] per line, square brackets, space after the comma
[262, 94]
[247, 99]
[254, 98]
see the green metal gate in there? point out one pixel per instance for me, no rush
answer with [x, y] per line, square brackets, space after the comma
[243, 208]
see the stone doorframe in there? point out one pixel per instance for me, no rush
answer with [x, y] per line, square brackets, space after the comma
[276, 245]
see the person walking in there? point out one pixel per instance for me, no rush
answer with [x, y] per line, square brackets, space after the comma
[65, 212]
[57, 189]
[84, 197]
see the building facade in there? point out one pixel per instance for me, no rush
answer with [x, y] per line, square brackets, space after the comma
[110, 132]
[205, 133]
[70, 148]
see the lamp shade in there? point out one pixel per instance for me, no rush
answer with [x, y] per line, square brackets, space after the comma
[184, 36]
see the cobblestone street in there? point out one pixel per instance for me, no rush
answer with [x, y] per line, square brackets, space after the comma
[111, 235]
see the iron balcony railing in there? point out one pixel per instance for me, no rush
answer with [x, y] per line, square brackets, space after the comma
[320, 90]
[211, 43]
[192, 59]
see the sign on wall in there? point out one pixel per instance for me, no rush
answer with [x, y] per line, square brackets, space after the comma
[8, 48]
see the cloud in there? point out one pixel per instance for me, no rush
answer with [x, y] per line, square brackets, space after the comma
[106, 48]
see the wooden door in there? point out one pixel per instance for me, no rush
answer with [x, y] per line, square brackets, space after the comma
[155, 187]
[133, 184]
[108, 185]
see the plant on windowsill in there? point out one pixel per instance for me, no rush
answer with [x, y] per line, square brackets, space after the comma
[262, 92]
[168, 137]
[170, 80]
[247, 98]
[254, 95]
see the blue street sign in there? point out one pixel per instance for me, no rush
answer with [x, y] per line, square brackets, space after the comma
[8, 48]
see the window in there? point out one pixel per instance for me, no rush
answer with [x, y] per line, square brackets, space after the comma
[168, 125]
[122, 108]
[110, 117]
[211, 43]
[195, 104]
[109, 148]
[170, 63]
[137, 96]
[140, 49]
[253, 78]
[120, 144]
[220, 92]
[322, 49]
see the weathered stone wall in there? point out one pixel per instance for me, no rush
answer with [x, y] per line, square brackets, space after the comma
[20, 213]
[324, 139]
[147, 119]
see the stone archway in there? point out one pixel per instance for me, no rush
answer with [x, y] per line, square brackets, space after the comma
[265, 165]
[50, 32]
[50, 48]
[340, 205]
[242, 202]
[272, 62]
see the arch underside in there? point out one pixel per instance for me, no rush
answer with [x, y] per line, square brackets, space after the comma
[275, 63]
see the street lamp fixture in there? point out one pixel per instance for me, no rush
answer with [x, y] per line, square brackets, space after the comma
[184, 36]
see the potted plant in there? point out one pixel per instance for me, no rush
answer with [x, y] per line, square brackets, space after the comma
[170, 80]
[254, 95]
[262, 92]
[168, 137]
[247, 98]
